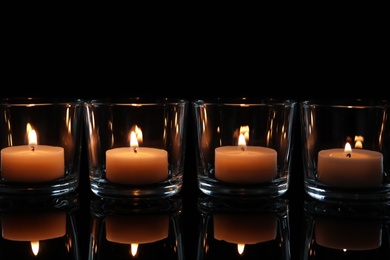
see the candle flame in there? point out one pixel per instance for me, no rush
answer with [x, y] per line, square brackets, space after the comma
[28, 127]
[35, 247]
[359, 141]
[133, 141]
[135, 138]
[243, 137]
[245, 131]
[242, 142]
[32, 139]
[240, 248]
[138, 133]
[348, 150]
[134, 249]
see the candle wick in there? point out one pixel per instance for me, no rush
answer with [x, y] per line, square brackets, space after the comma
[348, 155]
[242, 148]
[135, 150]
[32, 147]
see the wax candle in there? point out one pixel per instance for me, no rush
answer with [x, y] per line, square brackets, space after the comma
[32, 163]
[350, 168]
[244, 228]
[33, 226]
[136, 165]
[348, 234]
[136, 229]
[245, 164]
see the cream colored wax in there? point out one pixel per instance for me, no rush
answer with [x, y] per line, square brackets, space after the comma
[254, 164]
[362, 169]
[22, 164]
[145, 166]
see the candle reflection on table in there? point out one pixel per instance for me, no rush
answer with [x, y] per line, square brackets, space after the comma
[33, 227]
[143, 229]
[245, 229]
[39, 227]
[348, 234]
[345, 230]
[136, 229]
[242, 229]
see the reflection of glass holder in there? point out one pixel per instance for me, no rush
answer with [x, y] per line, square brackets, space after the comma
[141, 228]
[35, 227]
[348, 230]
[238, 229]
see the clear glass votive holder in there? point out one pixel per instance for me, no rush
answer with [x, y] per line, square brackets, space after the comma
[345, 149]
[40, 143]
[136, 146]
[244, 146]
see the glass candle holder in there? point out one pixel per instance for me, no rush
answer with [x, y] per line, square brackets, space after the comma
[244, 146]
[39, 227]
[40, 143]
[136, 146]
[345, 146]
[232, 228]
[141, 229]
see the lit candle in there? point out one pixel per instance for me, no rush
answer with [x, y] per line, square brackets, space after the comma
[347, 234]
[32, 162]
[136, 229]
[245, 228]
[245, 164]
[34, 226]
[350, 168]
[136, 165]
